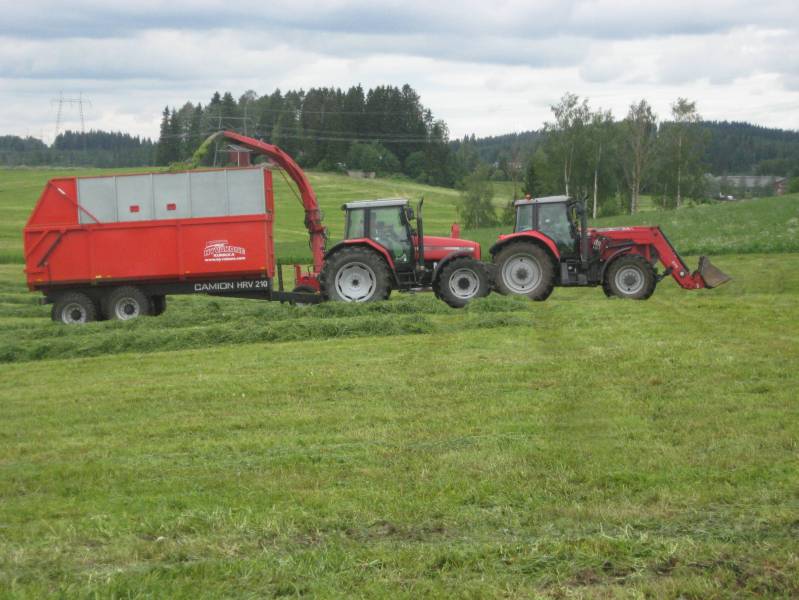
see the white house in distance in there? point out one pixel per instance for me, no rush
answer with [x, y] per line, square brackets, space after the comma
[750, 185]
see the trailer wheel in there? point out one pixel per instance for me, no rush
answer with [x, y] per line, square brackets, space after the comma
[158, 304]
[524, 269]
[73, 308]
[630, 276]
[127, 302]
[354, 275]
[462, 280]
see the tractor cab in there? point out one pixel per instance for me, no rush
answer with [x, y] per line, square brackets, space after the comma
[561, 218]
[387, 222]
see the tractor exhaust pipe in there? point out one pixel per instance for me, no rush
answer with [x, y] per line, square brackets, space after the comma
[712, 276]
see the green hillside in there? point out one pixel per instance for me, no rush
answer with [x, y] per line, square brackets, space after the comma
[762, 225]
[746, 226]
[20, 188]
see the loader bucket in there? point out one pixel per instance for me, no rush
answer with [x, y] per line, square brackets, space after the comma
[712, 276]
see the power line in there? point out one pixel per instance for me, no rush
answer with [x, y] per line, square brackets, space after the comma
[80, 102]
[305, 135]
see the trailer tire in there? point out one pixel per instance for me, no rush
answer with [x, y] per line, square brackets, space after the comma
[355, 274]
[524, 269]
[74, 307]
[462, 280]
[630, 276]
[158, 304]
[126, 303]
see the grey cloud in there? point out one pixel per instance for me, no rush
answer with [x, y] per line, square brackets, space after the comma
[593, 19]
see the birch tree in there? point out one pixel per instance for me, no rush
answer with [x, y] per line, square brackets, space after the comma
[685, 116]
[639, 129]
[566, 140]
[600, 136]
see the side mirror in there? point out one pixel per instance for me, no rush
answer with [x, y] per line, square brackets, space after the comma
[410, 214]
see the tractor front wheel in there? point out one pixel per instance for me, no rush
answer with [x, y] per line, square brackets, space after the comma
[630, 276]
[524, 269]
[462, 280]
[355, 275]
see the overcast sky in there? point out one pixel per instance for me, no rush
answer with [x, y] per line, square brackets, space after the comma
[484, 67]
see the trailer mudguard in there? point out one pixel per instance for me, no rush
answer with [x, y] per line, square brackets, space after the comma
[531, 236]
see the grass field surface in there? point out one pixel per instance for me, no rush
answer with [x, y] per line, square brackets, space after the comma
[579, 447]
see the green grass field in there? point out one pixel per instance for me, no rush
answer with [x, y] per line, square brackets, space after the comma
[580, 447]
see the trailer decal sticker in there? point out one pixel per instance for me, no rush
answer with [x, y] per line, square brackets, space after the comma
[223, 251]
[245, 285]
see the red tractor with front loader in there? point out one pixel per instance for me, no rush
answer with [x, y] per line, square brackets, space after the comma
[552, 245]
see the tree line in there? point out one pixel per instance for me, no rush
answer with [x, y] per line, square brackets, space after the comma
[73, 148]
[385, 129]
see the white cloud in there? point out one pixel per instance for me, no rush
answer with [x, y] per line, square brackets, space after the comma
[483, 67]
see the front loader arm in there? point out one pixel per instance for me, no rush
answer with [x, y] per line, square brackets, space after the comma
[705, 276]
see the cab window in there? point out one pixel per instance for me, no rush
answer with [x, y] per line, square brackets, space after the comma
[553, 221]
[387, 228]
[355, 222]
[524, 217]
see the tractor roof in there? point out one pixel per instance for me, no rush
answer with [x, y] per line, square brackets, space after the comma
[542, 200]
[375, 203]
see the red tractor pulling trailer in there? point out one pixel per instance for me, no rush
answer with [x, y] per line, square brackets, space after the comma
[115, 247]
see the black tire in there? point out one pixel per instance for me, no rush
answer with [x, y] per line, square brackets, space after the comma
[126, 303]
[73, 308]
[355, 274]
[303, 289]
[524, 269]
[158, 304]
[462, 280]
[630, 276]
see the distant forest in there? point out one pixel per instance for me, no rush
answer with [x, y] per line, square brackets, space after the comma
[71, 148]
[733, 148]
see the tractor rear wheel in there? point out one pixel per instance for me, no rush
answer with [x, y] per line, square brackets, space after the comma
[355, 275]
[126, 303]
[73, 308]
[630, 276]
[462, 280]
[524, 269]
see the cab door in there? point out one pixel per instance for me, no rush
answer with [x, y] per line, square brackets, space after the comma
[553, 220]
[387, 226]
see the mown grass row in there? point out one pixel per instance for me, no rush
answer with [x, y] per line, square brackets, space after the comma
[27, 333]
[202, 321]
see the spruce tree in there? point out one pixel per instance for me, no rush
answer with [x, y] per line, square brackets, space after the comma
[162, 154]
